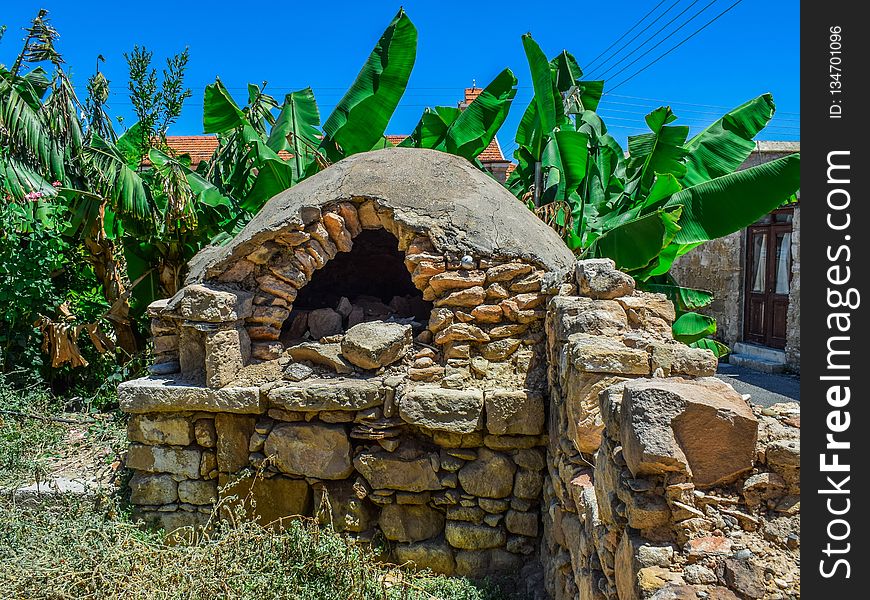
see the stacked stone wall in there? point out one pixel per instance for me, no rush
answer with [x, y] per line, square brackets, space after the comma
[662, 483]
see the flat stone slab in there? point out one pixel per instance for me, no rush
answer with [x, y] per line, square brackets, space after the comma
[166, 394]
[326, 394]
[441, 409]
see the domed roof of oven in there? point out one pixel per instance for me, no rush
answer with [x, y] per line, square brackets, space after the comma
[464, 210]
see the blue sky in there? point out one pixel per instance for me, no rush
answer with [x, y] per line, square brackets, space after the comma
[750, 50]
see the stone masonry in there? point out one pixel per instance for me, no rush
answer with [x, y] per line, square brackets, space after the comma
[540, 424]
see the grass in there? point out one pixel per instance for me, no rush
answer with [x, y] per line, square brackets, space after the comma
[93, 549]
[87, 550]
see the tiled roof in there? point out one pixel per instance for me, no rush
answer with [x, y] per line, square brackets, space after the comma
[201, 147]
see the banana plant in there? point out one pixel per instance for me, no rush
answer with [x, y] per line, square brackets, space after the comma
[644, 209]
[466, 132]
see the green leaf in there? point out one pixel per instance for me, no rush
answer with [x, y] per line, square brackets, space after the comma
[22, 124]
[362, 115]
[659, 152]
[19, 179]
[726, 144]
[634, 244]
[566, 71]
[117, 181]
[296, 129]
[132, 145]
[547, 99]
[220, 113]
[273, 177]
[729, 203]
[718, 348]
[684, 299]
[692, 326]
[432, 128]
[476, 126]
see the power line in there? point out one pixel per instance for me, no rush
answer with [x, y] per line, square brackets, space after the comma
[690, 118]
[653, 36]
[661, 41]
[594, 60]
[659, 101]
[621, 48]
[707, 24]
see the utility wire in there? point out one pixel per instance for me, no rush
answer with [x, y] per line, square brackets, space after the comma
[660, 42]
[640, 33]
[642, 69]
[594, 60]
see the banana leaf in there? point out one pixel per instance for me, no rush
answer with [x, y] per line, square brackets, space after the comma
[726, 144]
[296, 129]
[476, 126]
[432, 128]
[117, 181]
[729, 203]
[547, 100]
[634, 244]
[659, 152]
[718, 348]
[691, 327]
[684, 299]
[362, 115]
[220, 113]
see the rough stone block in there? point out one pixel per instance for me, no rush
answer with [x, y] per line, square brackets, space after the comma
[343, 505]
[699, 427]
[157, 430]
[468, 536]
[275, 498]
[233, 436]
[199, 492]
[226, 352]
[514, 412]
[153, 489]
[376, 344]
[400, 470]
[310, 449]
[490, 475]
[436, 408]
[598, 354]
[435, 555]
[326, 395]
[211, 304]
[522, 523]
[162, 394]
[599, 278]
[205, 433]
[410, 523]
[327, 355]
[164, 459]
[572, 314]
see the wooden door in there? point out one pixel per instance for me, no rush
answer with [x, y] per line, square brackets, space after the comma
[768, 279]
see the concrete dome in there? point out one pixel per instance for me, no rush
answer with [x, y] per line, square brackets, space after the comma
[462, 209]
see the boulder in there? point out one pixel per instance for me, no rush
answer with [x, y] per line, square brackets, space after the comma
[310, 449]
[324, 322]
[600, 354]
[573, 314]
[701, 427]
[491, 475]
[442, 409]
[410, 523]
[376, 344]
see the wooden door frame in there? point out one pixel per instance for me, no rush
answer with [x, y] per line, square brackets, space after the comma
[771, 230]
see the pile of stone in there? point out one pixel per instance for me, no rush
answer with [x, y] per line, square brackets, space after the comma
[322, 323]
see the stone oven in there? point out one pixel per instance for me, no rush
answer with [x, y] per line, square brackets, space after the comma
[400, 348]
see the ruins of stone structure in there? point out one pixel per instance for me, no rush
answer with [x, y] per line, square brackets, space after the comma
[398, 347]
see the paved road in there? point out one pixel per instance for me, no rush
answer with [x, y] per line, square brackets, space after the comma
[765, 389]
